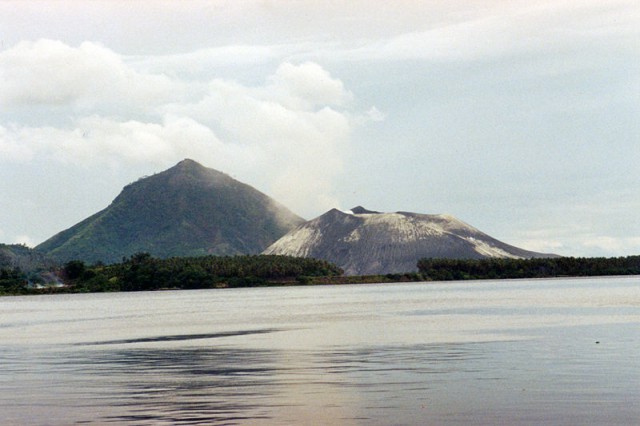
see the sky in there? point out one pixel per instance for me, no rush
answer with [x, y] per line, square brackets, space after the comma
[521, 118]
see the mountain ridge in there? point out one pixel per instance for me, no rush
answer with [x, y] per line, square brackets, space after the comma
[22, 257]
[364, 242]
[186, 210]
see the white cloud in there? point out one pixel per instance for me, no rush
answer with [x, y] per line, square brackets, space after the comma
[98, 140]
[11, 149]
[374, 114]
[88, 78]
[612, 245]
[286, 136]
[307, 86]
[543, 246]
[289, 129]
[200, 63]
[494, 28]
[573, 238]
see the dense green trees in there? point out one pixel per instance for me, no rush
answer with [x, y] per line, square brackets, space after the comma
[12, 281]
[493, 268]
[143, 272]
[74, 269]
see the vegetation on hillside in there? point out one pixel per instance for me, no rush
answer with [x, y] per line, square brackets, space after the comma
[188, 210]
[22, 268]
[22, 257]
[495, 268]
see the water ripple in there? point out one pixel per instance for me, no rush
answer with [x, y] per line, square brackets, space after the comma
[181, 337]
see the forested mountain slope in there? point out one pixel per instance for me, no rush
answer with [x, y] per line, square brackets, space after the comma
[187, 210]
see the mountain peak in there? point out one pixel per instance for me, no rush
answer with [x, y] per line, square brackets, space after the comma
[188, 166]
[362, 210]
[187, 210]
[368, 242]
[188, 163]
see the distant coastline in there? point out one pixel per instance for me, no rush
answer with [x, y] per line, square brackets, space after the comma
[142, 272]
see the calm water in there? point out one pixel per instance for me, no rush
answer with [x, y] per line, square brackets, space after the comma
[483, 353]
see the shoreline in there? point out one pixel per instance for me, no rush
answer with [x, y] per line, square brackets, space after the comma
[315, 281]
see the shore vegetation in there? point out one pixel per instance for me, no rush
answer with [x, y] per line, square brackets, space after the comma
[143, 272]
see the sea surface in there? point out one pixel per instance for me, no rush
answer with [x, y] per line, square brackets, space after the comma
[513, 352]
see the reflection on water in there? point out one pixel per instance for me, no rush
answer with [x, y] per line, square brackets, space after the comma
[394, 354]
[179, 386]
[240, 386]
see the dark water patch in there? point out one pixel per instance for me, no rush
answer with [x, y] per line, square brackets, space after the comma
[180, 337]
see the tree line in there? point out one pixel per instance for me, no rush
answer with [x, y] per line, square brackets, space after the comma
[497, 268]
[12, 281]
[142, 272]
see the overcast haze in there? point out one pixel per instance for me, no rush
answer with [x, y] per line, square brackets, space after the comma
[521, 118]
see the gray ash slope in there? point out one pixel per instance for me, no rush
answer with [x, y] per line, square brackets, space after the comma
[187, 210]
[364, 242]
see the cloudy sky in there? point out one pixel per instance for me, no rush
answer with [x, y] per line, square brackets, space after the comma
[520, 117]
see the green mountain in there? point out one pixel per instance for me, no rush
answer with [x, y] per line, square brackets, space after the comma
[188, 210]
[22, 257]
